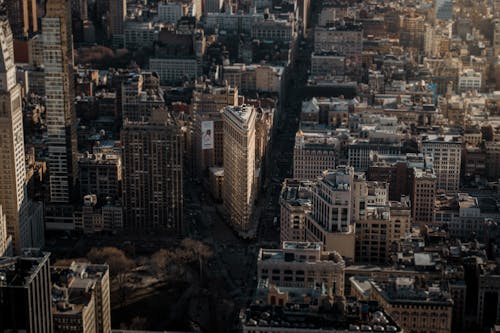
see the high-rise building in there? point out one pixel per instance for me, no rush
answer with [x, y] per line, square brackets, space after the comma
[446, 151]
[330, 221]
[295, 203]
[412, 30]
[208, 103]
[152, 173]
[5, 239]
[81, 299]
[22, 17]
[116, 18]
[59, 104]
[25, 293]
[13, 175]
[212, 6]
[313, 153]
[423, 195]
[239, 165]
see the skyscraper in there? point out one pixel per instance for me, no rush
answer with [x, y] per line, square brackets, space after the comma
[116, 17]
[239, 165]
[59, 87]
[207, 103]
[25, 293]
[152, 173]
[22, 17]
[330, 220]
[13, 172]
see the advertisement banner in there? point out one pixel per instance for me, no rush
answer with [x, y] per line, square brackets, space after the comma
[207, 135]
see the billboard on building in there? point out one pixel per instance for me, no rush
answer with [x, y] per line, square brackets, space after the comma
[207, 135]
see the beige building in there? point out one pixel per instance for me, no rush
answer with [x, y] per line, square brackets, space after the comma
[446, 151]
[81, 298]
[412, 30]
[415, 310]
[423, 195]
[302, 265]
[313, 153]
[255, 77]
[330, 220]
[295, 204]
[239, 165]
[5, 239]
[382, 228]
[26, 231]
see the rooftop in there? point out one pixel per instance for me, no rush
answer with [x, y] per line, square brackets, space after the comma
[19, 271]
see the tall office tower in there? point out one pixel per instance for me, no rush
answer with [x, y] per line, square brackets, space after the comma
[423, 195]
[59, 88]
[79, 9]
[330, 220]
[117, 14]
[5, 239]
[25, 293]
[443, 9]
[446, 151]
[412, 31]
[207, 106]
[13, 175]
[212, 6]
[81, 299]
[239, 165]
[22, 17]
[152, 173]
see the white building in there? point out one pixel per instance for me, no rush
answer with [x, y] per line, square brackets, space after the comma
[171, 12]
[469, 80]
[274, 29]
[175, 69]
[330, 221]
[140, 34]
[446, 151]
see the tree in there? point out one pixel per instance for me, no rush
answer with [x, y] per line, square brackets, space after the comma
[161, 259]
[197, 250]
[118, 262]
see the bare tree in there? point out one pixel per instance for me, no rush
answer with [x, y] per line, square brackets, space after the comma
[118, 262]
[161, 259]
[197, 250]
